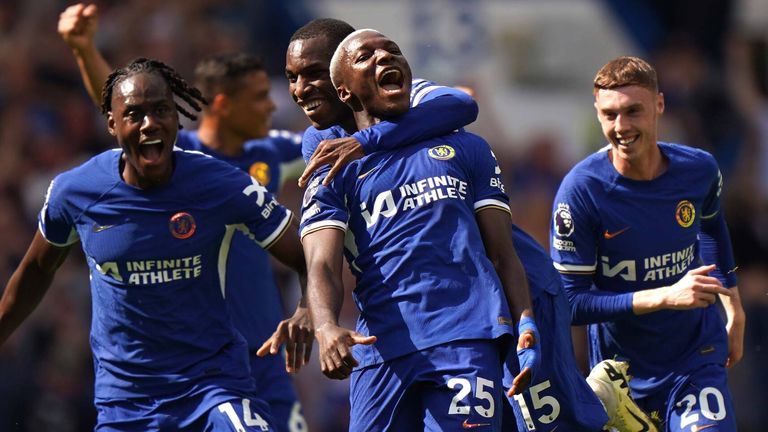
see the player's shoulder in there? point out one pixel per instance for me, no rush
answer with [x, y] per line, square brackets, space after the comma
[188, 140]
[312, 137]
[685, 157]
[98, 171]
[590, 171]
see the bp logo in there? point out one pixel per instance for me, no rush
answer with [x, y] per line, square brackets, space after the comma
[563, 220]
[182, 225]
[685, 213]
[260, 171]
[442, 152]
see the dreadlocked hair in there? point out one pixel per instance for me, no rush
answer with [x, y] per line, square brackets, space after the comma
[190, 94]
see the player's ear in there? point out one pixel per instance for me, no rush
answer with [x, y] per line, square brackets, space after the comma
[343, 92]
[111, 124]
[660, 103]
[220, 103]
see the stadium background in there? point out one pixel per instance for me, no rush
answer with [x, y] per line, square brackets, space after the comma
[530, 62]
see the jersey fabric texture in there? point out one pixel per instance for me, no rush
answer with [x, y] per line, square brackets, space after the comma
[623, 235]
[160, 324]
[560, 396]
[414, 245]
[252, 296]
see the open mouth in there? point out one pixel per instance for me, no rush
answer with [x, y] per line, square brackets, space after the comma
[391, 79]
[627, 141]
[311, 106]
[151, 150]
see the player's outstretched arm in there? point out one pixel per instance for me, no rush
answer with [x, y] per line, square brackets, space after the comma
[77, 26]
[295, 332]
[437, 111]
[29, 283]
[325, 295]
[496, 231]
[694, 290]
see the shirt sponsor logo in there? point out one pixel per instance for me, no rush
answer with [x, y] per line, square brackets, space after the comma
[413, 195]
[154, 271]
[685, 213]
[441, 152]
[653, 268]
[563, 220]
[182, 225]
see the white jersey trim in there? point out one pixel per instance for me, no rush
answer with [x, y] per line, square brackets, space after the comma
[492, 203]
[571, 268]
[73, 238]
[226, 243]
[423, 92]
[316, 226]
[276, 234]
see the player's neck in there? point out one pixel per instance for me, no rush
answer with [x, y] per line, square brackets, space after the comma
[645, 167]
[215, 137]
[365, 120]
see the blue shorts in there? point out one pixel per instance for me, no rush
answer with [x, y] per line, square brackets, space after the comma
[697, 401]
[275, 386]
[560, 396]
[203, 408]
[449, 387]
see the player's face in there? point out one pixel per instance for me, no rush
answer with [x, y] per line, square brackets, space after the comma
[145, 122]
[628, 116]
[377, 74]
[248, 111]
[309, 82]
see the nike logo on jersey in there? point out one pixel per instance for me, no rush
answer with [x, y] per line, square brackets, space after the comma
[468, 425]
[365, 174]
[610, 235]
[100, 228]
[696, 428]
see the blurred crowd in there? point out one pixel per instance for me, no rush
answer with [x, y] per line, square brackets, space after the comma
[716, 91]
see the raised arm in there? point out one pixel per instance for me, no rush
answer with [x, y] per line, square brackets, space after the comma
[435, 111]
[29, 283]
[77, 26]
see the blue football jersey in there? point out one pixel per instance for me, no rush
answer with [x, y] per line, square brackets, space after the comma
[629, 235]
[251, 292]
[413, 243]
[443, 116]
[160, 323]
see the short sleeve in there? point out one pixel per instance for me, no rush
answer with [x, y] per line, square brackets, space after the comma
[323, 206]
[55, 220]
[486, 177]
[254, 210]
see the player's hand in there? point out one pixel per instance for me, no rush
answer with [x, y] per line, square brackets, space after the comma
[735, 329]
[335, 343]
[337, 152]
[78, 24]
[297, 334]
[695, 290]
[528, 356]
